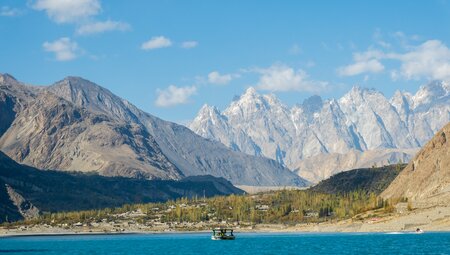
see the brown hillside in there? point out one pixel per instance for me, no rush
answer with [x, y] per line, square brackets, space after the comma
[426, 179]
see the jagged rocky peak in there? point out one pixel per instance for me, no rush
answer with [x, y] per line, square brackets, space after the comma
[312, 104]
[74, 89]
[77, 89]
[251, 103]
[248, 103]
[355, 92]
[80, 82]
[436, 87]
[251, 92]
[208, 110]
[430, 92]
[7, 79]
[401, 100]
[400, 96]
[209, 114]
[363, 100]
[249, 96]
[87, 94]
[360, 93]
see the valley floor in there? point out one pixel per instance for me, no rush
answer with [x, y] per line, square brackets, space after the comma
[429, 219]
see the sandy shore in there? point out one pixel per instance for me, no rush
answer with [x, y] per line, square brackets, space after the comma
[429, 219]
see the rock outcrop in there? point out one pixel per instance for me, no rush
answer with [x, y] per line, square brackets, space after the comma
[25, 207]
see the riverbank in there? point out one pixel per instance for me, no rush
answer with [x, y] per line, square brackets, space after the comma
[435, 218]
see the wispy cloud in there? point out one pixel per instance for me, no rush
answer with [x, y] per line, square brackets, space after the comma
[68, 11]
[280, 77]
[7, 11]
[102, 26]
[405, 40]
[189, 44]
[156, 43]
[173, 95]
[378, 38]
[217, 78]
[63, 48]
[365, 62]
[429, 60]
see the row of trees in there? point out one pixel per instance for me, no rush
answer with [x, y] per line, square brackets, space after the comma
[285, 206]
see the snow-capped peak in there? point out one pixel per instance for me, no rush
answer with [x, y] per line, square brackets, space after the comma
[363, 119]
[250, 92]
[430, 92]
[251, 102]
[208, 112]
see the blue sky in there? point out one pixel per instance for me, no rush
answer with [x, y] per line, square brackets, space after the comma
[171, 57]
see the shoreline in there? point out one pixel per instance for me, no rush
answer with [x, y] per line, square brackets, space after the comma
[17, 235]
[432, 219]
[101, 233]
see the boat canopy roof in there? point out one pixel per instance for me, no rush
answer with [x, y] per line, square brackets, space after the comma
[223, 229]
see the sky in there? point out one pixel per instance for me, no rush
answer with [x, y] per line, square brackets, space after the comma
[170, 57]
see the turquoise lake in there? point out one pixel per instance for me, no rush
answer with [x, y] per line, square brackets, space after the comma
[249, 243]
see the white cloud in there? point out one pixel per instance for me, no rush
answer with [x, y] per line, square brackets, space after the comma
[364, 62]
[68, 11]
[280, 77]
[368, 66]
[6, 11]
[64, 49]
[217, 78]
[189, 44]
[102, 26]
[174, 95]
[429, 60]
[156, 43]
[368, 55]
[79, 12]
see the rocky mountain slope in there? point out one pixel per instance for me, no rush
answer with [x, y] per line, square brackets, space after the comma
[341, 131]
[322, 166]
[77, 125]
[370, 180]
[26, 191]
[426, 179]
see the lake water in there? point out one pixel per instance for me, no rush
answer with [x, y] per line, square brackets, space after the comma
[255, 244]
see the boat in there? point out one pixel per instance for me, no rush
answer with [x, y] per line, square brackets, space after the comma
[222, 234]
[419, 231]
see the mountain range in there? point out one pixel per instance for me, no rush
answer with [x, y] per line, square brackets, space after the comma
[76, 125]
[319, 138]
